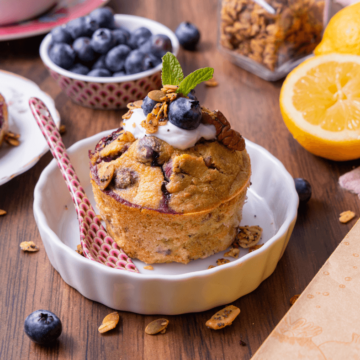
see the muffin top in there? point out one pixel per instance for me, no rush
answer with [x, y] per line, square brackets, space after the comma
[171, 155]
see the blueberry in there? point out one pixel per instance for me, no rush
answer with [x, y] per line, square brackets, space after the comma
[151, 61]
[138, 37]
[191, 95]
[62, 55]
[90, 26]
[79, 69]
[120, 36]
[104, 17]
[125, 31]
[99, 63]
[61, 35]
[102, 41]
[303, 189]
[43, 327]
[136, 62]
[158, 45]
[115, 58]
[99, 73]
[148, 105]
[83, 49]
[185, 113]
[119, 73]
[76, 27]
[188, 35]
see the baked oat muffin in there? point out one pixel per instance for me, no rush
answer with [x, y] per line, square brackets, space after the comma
[171, 183]
[3, 119]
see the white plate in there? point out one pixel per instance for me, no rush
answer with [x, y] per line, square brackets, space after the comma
[17, 91]
[170, 288]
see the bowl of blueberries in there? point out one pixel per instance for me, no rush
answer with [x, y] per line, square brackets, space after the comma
[105, 61]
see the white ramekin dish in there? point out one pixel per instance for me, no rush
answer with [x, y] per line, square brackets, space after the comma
[13, 12]
[170, 288]
[110, 92]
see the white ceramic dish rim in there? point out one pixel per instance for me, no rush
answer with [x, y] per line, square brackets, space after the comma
[281, 232]
[31, 163]
[44, 46]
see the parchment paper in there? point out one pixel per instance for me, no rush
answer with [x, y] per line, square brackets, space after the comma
[324, 323]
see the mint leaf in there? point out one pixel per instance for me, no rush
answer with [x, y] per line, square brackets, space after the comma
[195, 78]
[172, 73]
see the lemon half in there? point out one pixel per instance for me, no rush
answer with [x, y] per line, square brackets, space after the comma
[320, 104]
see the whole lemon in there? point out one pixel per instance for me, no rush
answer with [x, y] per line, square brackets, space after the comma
[342, 34]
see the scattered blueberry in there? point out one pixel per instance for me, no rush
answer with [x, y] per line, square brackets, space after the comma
[90, 26]
[120, 37]
[83, 49]
[100, 63]
[62, 55]
[138, 37]
[158, 45]
[43, 327]
[115, 58]
[185, 113]
[148, 105]
[61, 35]
[104, 17]
[191, 95]
[303, 189]
[125, 31]
[99, 73]
[79, 69]
[188, 35]
[135, 62]
[76, 27]
[102, 41]
[119, 73]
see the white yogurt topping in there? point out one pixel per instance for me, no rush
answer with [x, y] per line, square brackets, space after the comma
[178, 138]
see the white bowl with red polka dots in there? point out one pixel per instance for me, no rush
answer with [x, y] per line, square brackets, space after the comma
[110, 92]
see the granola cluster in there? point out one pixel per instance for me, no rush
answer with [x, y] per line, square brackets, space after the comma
[269, 39]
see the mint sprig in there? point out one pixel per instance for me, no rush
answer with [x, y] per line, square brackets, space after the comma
[172, 74]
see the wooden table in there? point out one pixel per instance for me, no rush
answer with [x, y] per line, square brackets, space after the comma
[28, 282]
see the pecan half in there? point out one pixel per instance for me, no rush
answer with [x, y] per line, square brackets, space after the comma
[224, 134]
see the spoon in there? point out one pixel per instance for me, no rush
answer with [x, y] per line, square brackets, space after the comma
[97, 245]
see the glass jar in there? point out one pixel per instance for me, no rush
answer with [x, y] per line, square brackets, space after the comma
[269, 38]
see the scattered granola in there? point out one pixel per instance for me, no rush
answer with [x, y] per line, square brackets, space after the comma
[12, 141]
[29, 246]
[148, 267]
[247, 236]
[211, 266]
[211, 83]
[110, 321]
[233, 252]
[79, 250]
[62, 129]
[255, 247]
[291, 32]
[224, 317]
[224, 134]
[157, 326]
[222, 261]
[293, 299]
[346, 216]
[2, 212]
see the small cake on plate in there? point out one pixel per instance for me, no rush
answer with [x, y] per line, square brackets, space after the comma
[171, 182]
[3, 119]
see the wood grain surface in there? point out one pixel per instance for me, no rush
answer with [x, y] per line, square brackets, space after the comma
[28, 282]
